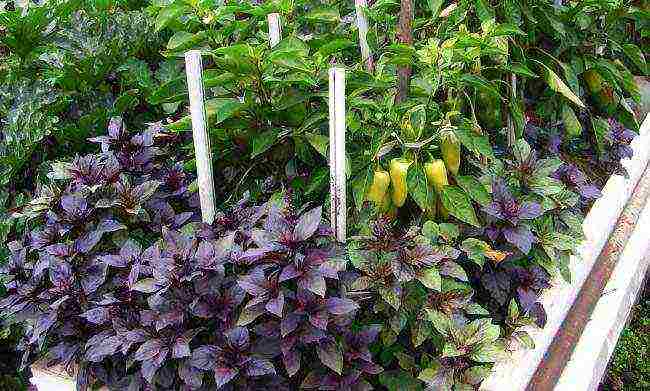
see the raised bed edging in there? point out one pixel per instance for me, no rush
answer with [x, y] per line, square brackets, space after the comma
[514, 373]
[590, 357]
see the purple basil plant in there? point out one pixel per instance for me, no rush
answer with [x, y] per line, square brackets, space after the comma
[508, 217]
[117, 269]
[575, 179]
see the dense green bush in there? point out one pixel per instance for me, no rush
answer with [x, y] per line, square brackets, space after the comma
[629, 368]
[476, 142]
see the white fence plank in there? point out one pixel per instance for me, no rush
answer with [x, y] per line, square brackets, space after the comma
[202, 151]
[337, 152]
[362, 25]
[275, 29]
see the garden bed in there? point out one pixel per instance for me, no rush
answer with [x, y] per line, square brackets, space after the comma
[473, 139]
[608, 236]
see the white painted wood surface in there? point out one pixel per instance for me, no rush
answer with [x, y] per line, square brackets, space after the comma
[362, 26]
[514, 373]
[275, 29]
[338, 202]
[202, 150]
[589, 360]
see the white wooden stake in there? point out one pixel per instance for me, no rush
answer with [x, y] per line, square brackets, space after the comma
[512, 135]
[202, 151]
[275, 29]
[337, 152]
[362, 25]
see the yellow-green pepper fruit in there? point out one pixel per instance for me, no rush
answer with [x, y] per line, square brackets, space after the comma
[436, 174]
[379, 187]
[450, 148]
[398, 172]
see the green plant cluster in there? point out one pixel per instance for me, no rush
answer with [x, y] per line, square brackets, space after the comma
[66, 67]
[629, 368]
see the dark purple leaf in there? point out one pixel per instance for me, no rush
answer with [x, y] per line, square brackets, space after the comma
[340, 306]
[260, 367]
[331, 356]
[223, 376]
[308, 224]
[530, 210]
[276, 305]
[113, 260]
[520, 237]
[148, 350]
[99, 315]
[204, 357]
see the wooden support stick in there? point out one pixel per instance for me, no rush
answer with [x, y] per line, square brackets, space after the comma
[337, 152]
[202, 151]
[275, 29]
[362, 25]
[512, 135]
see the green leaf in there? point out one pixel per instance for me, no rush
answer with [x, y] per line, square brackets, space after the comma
[487, 352]
[169, 14]
[506, 29]
[417, 186]
[324, 15]
[434, 6]
[475, 375]
[517, 114]
[522, 70]
[475, 189]
[263, 141]
[334, 46]
[475, 250]
[449, 232]
[477, 143]
[431, 279]
[557, 85]
[601, 128]
[319, 142]
[546, 186]
[636, 56]
[126, 101]
[459, 205]
[431, 230]
[571, 123]
[360, 186]
[483, 10]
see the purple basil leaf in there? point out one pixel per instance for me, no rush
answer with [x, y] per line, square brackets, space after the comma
[87, 242]
[181, 348]
[204, 357]
[331, 356]
[288, 273]
[308, 224]
[260, 367]
[530, 210]
[339, 306]
[223, 376]
[113, 260]
[93, 276]
[102, 348]
[291, 360]
[276, 305]
[589, 192]
[98, 316]
[237, 336]
[520, 237]
[148, 350]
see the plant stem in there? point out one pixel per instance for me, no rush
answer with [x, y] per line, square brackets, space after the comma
[405, 36]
